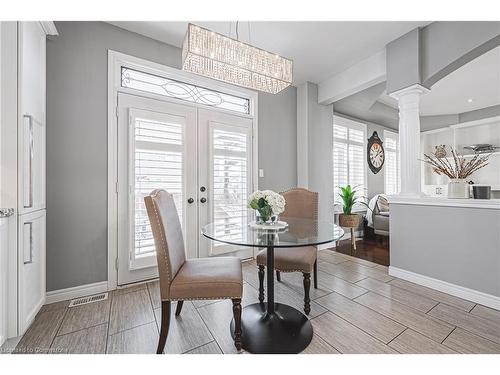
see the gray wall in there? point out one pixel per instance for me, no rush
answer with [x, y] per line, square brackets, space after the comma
[426, 55]
[446, 46]
[77, 144]
[441, 121]
[364, 106]
[403, 61]
[320, 161]
[452, 244]
[480, 114]
[438, 121]
[278, 139]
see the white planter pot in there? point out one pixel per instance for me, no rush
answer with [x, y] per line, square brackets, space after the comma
[458, 188]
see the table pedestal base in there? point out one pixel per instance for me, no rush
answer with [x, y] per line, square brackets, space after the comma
[286, 330]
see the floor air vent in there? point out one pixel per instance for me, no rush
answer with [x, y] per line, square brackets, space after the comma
[90, 299]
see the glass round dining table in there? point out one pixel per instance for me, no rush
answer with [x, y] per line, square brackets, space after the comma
[273, 327]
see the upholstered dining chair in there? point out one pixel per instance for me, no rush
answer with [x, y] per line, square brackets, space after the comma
[184, 279]
[300, 203]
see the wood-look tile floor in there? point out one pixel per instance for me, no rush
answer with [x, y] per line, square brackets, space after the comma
[358, 308]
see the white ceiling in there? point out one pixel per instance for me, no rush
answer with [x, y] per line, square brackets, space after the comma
[478, 80]
[318, 49]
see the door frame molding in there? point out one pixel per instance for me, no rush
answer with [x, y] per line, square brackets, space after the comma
[115, 61]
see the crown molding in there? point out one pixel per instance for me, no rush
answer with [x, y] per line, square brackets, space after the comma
[413, 89]
[49, 27]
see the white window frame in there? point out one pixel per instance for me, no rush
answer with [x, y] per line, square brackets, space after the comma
[117, 60]
[398, 160]
[342, 121]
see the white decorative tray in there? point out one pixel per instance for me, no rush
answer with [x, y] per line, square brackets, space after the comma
[279, 225]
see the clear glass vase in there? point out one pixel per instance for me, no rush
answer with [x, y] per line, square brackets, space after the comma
[265, 219]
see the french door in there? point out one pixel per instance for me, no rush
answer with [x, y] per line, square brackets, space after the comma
[225, 169]
[203, 157]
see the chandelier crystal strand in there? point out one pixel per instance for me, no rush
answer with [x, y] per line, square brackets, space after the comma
[213, 55]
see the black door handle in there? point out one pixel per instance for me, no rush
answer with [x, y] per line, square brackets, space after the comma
[190, 200]
[203, 200]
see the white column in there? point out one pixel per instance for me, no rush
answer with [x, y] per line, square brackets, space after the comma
[409, 139]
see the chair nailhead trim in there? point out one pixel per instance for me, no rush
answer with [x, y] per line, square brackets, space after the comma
[198, 299]
[286, 271]
[163, 239]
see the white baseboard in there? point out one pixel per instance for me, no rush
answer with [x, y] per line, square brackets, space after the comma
[76, 292]
[23, 326]
[446, 287]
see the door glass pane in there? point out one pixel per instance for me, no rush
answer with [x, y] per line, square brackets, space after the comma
[158, 165]
[230, 170]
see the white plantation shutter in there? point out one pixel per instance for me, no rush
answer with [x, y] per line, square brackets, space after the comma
[158, 164]
[340, 169]
[349, 155]
[392, 163]
[230, 152]
[357, 168]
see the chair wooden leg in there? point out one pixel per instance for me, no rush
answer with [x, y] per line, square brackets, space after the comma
[165, 324]
[307, 287]
[315, 274]
[179, 308]
[278, 275]
[237, 322]
[261, 284]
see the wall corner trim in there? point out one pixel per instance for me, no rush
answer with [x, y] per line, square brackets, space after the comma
[76, 292]
[446, 287]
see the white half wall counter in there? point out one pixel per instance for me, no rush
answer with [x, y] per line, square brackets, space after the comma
[451, 245]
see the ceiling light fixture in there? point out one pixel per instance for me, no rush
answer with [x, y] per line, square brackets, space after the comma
[469, 100]
[217, 56]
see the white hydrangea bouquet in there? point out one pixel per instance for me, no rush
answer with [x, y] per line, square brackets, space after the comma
[268, 204]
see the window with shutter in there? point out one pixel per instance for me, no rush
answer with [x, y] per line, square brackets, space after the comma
[349, 154]
[158, 165]
[392, 164]
[230, 146]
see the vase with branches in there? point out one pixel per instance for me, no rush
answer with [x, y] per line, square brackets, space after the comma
[457, 168]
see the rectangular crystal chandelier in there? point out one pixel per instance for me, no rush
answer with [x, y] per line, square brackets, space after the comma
[213, 55]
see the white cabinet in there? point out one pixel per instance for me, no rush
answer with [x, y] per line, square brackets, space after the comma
[31, 130]
[22, 182]
[4, 244]
[31, 263]
[31, 116]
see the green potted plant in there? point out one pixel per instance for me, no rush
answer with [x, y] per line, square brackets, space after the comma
[347, 219]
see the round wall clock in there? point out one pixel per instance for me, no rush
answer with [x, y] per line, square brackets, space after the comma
[376, 154]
